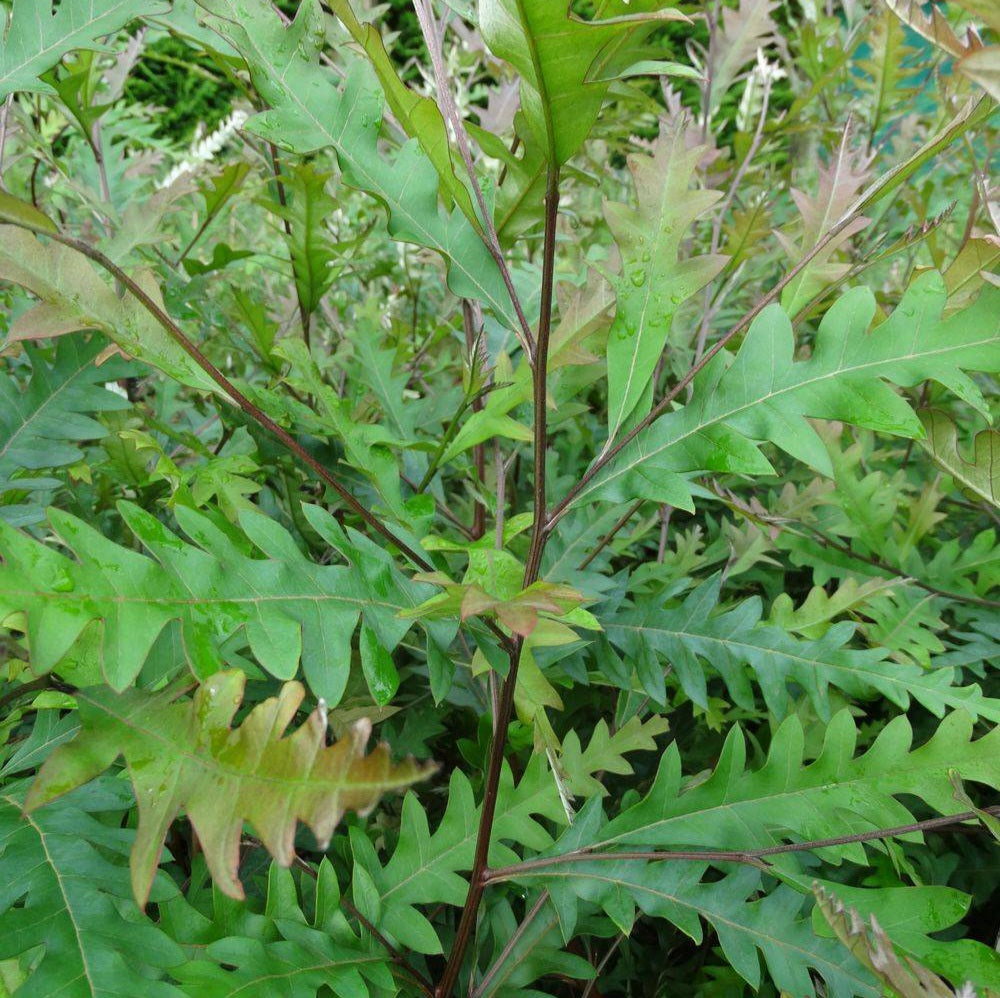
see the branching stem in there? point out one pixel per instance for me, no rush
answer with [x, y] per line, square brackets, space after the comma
[612, 449]
[446, 102]
[233, 393]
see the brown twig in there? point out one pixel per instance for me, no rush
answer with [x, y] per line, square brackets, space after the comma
[602, 963]
[472, 326]
[515, 938]
[609, 536]
[753, 857]
[808, 530]
[304, 315]
[397, 956]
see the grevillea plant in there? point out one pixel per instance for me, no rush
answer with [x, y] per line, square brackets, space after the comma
[590, 400]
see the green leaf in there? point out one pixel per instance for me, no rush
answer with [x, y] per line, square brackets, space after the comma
[239, 950]
[789, 800]
[784, 800]
[739, 33]
[386, 383]
[606, 751]
[222, 256]
[764, 394]
[19, 212]
[774, 926]
[378, 667]
[284, 606]
[525, 951]
[252, 968]
[910, 915]
[40, 33]
[367, 446]
[419, 115]
[974, 113]
[653, 281]
[427, 866]
[692, 640]
[812, 618]
[43, 424]
[310, 243]
[839, 184]
[310, 110]
[65, 889]
[184, 754]
[980, 477]
[562, 60]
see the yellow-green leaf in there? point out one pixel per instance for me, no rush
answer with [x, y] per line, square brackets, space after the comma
[183, 754]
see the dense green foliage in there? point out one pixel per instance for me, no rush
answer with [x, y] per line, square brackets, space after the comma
[594, 402]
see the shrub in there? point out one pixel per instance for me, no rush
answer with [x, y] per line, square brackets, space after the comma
[596, 402]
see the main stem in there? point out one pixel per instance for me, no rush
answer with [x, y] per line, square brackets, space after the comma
[539, 535]
[472, 326]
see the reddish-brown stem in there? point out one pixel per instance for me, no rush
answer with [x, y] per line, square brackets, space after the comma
[609, 536]
[515, 938]
[540, 370]
[397, 957]
[752, 856]
[808, 530]
[473, 330]
[470, 911]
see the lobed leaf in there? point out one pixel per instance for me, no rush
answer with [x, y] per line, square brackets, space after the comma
[43, 423]
[65, 890]
[765, 394]
[654, 281]
[185, 755]
[39, 33]
[981, 475]
[563, 60]
[309, 110]
[735, 645]
[286, 607]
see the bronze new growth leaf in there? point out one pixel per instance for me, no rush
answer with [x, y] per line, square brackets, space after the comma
[183, 754]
